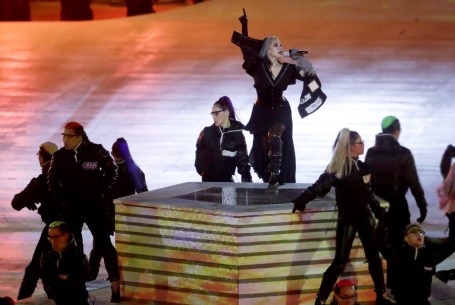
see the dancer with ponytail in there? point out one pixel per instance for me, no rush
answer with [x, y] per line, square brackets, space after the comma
[221, 147]
[356, 206]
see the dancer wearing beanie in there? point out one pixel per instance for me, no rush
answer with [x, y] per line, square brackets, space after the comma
[393, 173]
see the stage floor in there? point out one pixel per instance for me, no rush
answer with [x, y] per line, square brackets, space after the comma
[153, 79]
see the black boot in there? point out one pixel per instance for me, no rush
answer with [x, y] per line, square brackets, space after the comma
[28, 283]
[275, 156]
[115, 290]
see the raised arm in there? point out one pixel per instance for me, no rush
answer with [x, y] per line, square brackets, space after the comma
[250, 47]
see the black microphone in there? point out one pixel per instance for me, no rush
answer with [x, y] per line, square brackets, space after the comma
[298, 53]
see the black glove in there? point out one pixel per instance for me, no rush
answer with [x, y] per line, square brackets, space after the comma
[423, 215]
[247, 178]
[32, 206]
[244, 21]
[301, 201]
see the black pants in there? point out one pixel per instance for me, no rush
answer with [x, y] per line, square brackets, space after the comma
[345, 234]
[31, 275]
[98, 224]
[397, 220]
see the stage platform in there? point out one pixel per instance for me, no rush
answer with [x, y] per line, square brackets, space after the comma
[229, 243]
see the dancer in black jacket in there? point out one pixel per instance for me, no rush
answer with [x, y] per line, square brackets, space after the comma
[81, 179]
[356, 204]
[35, 193]
[221, 147]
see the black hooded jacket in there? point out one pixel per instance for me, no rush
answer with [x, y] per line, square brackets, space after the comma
[81, 177]
[219, 151]
[70, 262]
[37, 192]
[415, 267]
[393, 172]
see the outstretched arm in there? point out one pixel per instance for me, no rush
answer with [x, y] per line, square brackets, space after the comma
[320, 188]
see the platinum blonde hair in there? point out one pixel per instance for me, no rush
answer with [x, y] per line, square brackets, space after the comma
[264, 53]
[342, 160]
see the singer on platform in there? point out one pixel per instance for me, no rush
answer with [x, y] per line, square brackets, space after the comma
[272, 155]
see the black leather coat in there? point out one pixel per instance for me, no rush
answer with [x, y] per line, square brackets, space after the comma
[354, 197]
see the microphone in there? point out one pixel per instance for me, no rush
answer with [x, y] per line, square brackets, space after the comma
[298, 53]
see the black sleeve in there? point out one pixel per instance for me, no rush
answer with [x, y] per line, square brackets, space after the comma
[241, 159]
[446, 160]
[32, 194]
[414, 183]
[250, 48]
[144, 187]
[200, 147]
[322, 186]
[109, 169]
[80, 272]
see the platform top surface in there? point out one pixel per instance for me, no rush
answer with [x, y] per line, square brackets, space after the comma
[224, 197]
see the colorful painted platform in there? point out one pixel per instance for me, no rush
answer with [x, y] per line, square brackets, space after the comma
[228, 243]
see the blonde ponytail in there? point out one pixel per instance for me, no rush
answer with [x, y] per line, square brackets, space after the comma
[341, 162]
